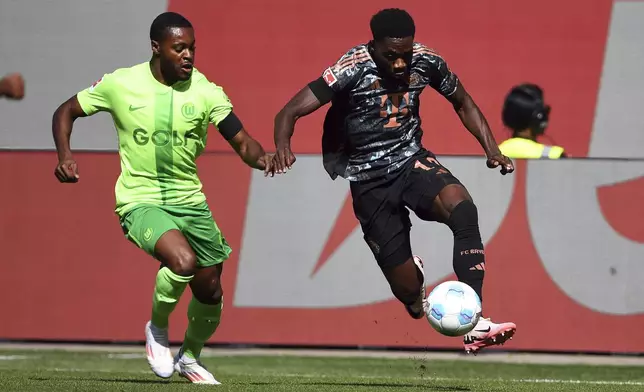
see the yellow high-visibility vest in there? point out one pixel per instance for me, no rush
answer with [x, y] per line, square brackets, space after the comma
[520, 148]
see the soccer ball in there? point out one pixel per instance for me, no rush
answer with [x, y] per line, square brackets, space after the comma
[454, 308]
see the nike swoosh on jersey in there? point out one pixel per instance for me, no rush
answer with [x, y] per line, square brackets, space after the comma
[133, 108]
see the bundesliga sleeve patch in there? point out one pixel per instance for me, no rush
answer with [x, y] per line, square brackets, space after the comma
[329, 77]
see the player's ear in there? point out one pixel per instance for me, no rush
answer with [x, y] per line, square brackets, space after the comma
[156, 48]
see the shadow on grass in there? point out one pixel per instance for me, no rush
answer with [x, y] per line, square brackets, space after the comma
[108, 380]
[367, 384]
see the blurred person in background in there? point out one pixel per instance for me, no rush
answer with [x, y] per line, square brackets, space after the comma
[526, 114]
[12, 86]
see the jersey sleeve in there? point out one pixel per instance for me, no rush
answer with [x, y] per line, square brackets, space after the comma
[434, 68]
[556, 152]
[220, 105]
[345, 72]
[97, 97]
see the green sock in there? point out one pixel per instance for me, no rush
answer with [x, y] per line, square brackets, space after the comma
[203, 320]
[167, 291]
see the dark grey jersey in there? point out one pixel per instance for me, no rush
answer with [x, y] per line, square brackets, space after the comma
[373, 127]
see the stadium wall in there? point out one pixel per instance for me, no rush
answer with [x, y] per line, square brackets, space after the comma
[563, 239]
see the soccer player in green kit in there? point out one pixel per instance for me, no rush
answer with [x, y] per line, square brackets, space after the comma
[161, 110]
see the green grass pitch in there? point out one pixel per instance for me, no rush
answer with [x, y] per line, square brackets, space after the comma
[57, 370]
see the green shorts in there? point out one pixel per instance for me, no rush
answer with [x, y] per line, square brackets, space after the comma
[145, 224]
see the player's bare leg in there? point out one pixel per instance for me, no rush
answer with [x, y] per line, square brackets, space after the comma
[407, 282]
[454, 207]
[204, 315]
[178, 264]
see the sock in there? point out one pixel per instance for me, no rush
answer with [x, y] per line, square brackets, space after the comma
[203, 320]
[469, 256]
[167, 291]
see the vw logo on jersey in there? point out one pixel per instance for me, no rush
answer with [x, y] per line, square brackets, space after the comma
[188, 110]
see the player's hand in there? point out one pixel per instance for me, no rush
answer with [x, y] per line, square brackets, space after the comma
[265, 162]
[501, 160]
[67, 171]
[13, 86]
[283, 159]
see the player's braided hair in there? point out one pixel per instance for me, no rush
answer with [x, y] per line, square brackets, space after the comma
[392, 23]
[165, 21]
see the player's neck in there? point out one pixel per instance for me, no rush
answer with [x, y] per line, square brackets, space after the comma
[526, 134]
[155, 68]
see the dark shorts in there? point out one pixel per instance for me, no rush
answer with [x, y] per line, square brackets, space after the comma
[382, 205]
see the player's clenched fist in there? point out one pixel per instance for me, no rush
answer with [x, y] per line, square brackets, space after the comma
[12, 86]
[501, 160]
[67, 171]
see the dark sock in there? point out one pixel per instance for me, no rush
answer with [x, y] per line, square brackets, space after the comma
[469, 256]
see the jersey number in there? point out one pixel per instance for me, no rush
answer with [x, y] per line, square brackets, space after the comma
[392, 106]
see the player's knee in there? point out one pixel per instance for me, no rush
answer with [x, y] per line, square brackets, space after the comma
[464, 219]
[206, 285]
[210, 295]
[183, 262]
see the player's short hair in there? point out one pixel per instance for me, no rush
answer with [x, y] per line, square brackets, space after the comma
[166, 21]
[392, 23]
[520, 104]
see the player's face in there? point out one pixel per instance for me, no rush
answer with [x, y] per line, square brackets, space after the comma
[393, 56]
[177, 52]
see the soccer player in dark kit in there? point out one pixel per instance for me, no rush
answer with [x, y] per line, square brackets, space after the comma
[372, 137]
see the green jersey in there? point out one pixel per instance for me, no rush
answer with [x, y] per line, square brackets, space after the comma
[161, 132]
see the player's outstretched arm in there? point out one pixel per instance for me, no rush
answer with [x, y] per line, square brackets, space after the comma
[475, 122]
[62, 123]
[12, 86]
[306, 101]
[252, 152]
